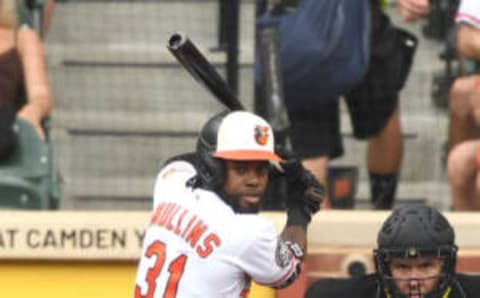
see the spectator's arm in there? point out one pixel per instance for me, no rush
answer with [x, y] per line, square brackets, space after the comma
[468, 41]
[411, 10]
[39, 103]
[47, 16]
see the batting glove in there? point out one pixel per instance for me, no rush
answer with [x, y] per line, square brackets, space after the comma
[304, 192]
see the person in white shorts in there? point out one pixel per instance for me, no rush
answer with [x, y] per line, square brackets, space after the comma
[464, 108]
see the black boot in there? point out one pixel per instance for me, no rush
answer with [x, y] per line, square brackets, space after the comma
[382, 190]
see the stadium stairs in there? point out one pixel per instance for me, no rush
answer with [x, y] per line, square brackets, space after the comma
[123, 104]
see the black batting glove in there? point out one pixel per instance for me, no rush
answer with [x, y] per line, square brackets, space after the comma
[304, 192]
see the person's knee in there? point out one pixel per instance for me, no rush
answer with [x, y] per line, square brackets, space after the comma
[393, 122]
[475, 103]
[459, 95]
[461, 165]
[391, 131]
[477, 184]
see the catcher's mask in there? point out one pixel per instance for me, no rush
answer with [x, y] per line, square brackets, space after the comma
[414, 232]
[237, 135]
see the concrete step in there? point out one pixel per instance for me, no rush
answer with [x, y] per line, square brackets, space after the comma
[107, 193]
[127, 143]
[435, 193]
[142, 21]
[135, 193]
[140, 87]
[163, 85]
[424, 138]
[127, 122]
[122, 155]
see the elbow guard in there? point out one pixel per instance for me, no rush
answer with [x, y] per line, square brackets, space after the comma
[295, 255]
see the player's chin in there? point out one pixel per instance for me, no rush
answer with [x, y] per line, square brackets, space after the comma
[247, 204]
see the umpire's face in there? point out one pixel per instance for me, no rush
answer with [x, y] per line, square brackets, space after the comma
[245, 183]
[416, 277]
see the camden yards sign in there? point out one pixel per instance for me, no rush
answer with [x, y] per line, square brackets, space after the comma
[72, 235]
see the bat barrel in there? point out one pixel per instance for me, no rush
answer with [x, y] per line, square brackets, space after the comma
[185, 51]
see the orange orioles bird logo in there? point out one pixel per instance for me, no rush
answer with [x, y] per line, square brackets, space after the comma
[261, 134]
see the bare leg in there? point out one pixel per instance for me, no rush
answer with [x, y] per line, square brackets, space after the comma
[318, 167]
[384, 158]
[385, 150]
[463, 176]
[462, 124]
[47, 15]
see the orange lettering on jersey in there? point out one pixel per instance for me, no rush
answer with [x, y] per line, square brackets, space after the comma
[172, 214]
[138, 293]
[208, 242]
[162, 221]
[156, 214]
[187, 228]
[245, 293]
[178, 228]
[196, 232]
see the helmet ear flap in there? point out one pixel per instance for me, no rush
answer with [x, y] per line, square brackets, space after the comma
[210, 169]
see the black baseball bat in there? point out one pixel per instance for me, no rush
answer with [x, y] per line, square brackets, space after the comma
[185, 51]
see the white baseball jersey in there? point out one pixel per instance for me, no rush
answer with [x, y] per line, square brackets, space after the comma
[469, 12]
[196, 246]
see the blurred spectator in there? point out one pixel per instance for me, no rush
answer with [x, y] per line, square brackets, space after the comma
[23, 79]
[46, 13]
[464, 157]
[464, 109]
[319, 66]
[463, 173]
[411, 10]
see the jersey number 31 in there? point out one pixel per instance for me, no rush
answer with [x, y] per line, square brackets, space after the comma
[175, 268]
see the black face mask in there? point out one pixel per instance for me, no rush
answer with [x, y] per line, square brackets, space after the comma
[437, 292]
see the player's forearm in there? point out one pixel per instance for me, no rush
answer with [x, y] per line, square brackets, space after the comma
[468, 42]
[295, 234]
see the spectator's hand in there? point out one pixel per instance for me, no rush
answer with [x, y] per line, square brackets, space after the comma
[411, 10]
[305, 193]
[30, 114]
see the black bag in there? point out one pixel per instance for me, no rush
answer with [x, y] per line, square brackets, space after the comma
[324, 49]
[392, 53]
[8, 137]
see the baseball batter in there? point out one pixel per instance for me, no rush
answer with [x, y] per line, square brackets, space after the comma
[204, 238]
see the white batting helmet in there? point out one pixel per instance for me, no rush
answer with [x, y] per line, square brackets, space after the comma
[245, 136]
